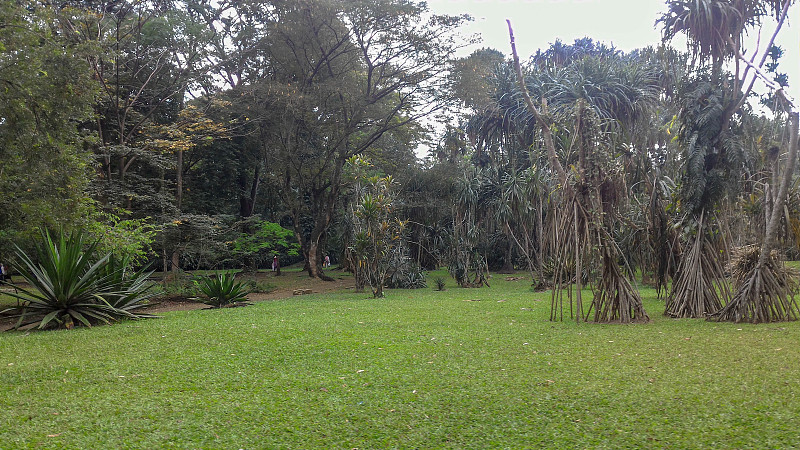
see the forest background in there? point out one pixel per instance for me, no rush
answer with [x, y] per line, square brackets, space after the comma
[199, 135]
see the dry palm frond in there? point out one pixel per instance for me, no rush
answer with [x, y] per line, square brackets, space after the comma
[744, 261]
[765, 293]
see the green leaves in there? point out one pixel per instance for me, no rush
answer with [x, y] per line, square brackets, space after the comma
[376, 232]
[69, 285]
[222, 290]
[260, 240]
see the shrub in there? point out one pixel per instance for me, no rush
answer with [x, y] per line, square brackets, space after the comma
[407, 274]
[440, 282]
[70, 287]
[177, 286]
[222, 290]
[134, 286]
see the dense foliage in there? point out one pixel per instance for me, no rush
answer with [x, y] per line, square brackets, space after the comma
[201, 135]
[68, 285]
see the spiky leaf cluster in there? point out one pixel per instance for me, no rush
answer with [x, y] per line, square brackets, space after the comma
[709, 142]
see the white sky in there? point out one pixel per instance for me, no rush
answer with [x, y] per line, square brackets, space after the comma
[628, 24]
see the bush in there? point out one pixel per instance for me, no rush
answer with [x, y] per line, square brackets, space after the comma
[177, 286]
[69, 286]
[222, 290]
[135, 287]
[407, 274]
[440, 283]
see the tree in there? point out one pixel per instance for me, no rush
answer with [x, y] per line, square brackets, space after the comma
[343, 74]
[144, 57]
[764, 292]
[377, 232]
[468, 239]
[46, 95]
[715, 31]
[598, 94]
[260, 245]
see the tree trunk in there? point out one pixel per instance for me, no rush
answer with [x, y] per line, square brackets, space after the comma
[544, 125]
[176, 260]
[312, 259]
[179, 181]
[314, 256]
[508, 266]
[540, 241]
[578, 268]
[777, 209]
[247, 202]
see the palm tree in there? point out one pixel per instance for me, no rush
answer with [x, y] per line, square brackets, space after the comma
[709, 140]
[597, 94]
[714, 28]
[764, 293]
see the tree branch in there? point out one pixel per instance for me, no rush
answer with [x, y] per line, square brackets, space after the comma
[543, 124]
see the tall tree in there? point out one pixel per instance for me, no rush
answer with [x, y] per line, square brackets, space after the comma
[597, 94]
[147, 55]
[715, 32]
[342, 74]
[46, 94]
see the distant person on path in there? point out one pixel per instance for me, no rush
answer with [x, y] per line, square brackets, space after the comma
[327, 262]
[2, 273]
[275, 263]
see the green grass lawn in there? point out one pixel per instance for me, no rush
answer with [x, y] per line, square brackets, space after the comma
[419, 369]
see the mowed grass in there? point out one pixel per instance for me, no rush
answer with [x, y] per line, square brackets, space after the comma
[418, 369]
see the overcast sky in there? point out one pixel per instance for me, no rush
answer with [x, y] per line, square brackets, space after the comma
[628, 24]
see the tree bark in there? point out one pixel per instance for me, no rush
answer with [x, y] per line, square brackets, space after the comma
[777, 209]
[179, 181]
[176, 260]
[543, 124]
[247, 202]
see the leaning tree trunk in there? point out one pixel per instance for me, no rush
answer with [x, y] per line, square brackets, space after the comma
[765, 295]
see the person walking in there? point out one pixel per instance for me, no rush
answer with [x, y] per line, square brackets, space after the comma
[2, 273]
[275, 263]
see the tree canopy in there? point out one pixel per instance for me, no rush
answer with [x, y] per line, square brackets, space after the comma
[197, 134]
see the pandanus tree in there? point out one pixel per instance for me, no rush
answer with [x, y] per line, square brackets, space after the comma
[714, 31]
[708, 153]
[764, 292]
[501, 143]
[596, 94]
[467, 259]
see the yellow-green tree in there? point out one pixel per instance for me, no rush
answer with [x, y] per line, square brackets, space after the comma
[377, 232]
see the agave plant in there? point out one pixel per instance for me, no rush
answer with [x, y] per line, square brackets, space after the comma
[68, 286]
[222, 290]
[132, 288]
